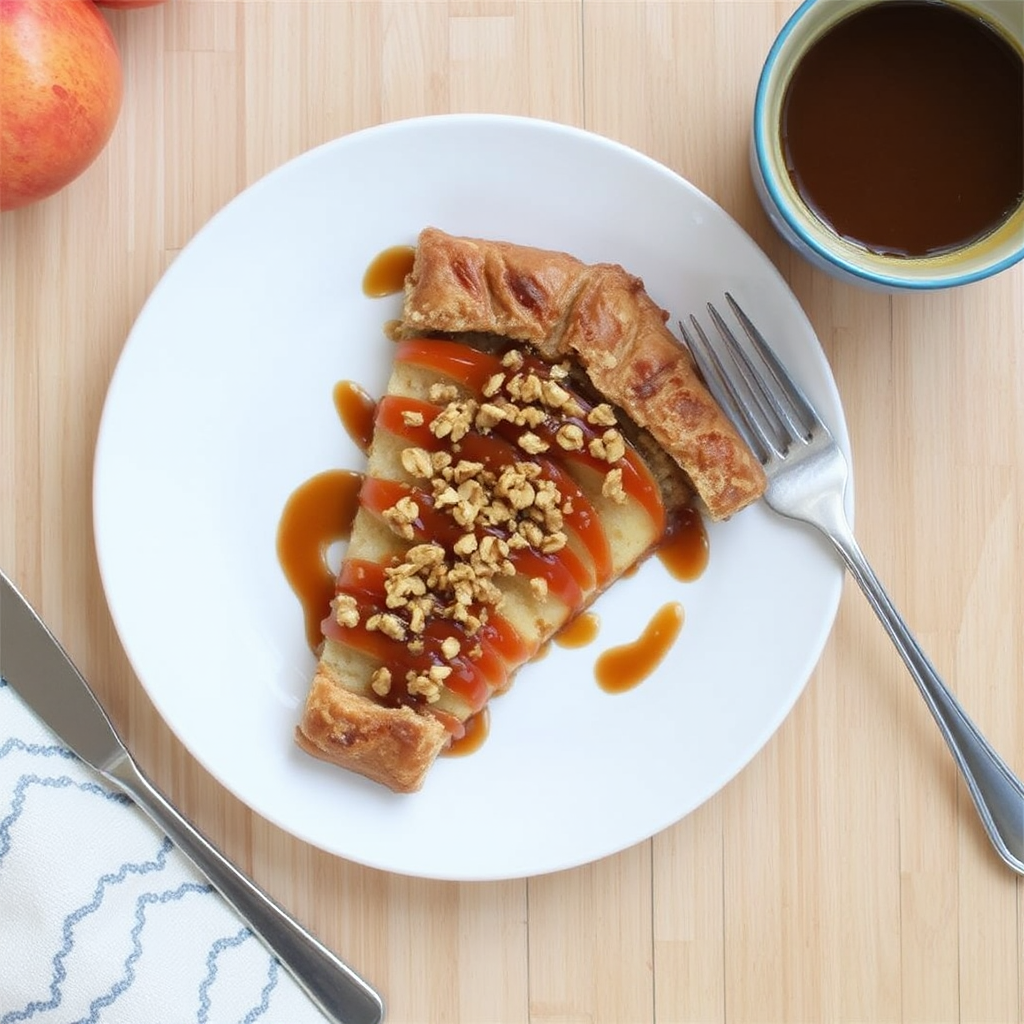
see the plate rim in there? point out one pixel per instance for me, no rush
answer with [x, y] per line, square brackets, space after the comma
[585, 136]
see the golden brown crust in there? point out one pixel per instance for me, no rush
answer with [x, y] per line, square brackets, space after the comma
[603, 316]
[392, 746]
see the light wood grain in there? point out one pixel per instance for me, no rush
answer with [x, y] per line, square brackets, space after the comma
[842, 876]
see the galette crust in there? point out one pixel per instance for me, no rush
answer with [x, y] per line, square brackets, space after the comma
[392, 746]
[601, 315]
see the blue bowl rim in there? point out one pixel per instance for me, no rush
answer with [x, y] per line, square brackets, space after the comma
[785, 209]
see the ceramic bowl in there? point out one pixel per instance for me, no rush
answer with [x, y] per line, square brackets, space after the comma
[810, 236]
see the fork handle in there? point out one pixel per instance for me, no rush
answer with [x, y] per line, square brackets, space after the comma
[997, 794]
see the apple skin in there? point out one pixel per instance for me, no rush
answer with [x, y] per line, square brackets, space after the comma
[61, 87]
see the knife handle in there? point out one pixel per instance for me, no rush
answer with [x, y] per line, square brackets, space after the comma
[333, 986]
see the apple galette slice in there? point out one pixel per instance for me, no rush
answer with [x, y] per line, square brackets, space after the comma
[503, 493]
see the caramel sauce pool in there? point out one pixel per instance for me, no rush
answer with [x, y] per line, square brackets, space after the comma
[478, 727]
[356, 410]
[684, 553]
[903, 127]
[318, 513]
[386, 273]
[621, 668]
[581, 631]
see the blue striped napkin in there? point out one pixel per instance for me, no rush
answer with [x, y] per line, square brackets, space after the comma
[102, 920]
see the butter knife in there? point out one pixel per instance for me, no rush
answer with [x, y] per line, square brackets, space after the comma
[37, 667]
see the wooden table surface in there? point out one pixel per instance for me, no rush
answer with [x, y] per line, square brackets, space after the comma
[843, 875]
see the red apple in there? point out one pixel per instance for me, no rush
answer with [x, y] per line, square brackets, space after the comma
[60, 94]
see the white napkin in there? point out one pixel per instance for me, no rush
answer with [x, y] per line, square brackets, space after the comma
[102, 920]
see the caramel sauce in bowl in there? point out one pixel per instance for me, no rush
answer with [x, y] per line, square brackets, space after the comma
[888, 139]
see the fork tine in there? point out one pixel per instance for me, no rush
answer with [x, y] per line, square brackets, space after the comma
[722, 386]
[710, 367]
[801, 415]
[783, 430]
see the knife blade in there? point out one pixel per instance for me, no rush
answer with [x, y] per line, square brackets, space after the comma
[35, 665]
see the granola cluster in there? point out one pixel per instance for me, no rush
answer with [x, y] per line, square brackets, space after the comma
[498, 511]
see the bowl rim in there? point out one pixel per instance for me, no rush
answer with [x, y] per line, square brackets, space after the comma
[768, 172]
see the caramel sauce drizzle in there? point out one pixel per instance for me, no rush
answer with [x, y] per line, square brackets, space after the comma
[321, 511]
[473, 680]
[473, 369]
[621, 668]
[492, 452]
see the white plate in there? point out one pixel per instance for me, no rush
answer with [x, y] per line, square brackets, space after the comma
[221, 405]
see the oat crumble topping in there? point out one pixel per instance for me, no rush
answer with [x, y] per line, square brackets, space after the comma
[609, 446]
[427, 583]
[612, 486]
[416, 462]
[423, 685]
[380, 681]
[493, 385]
[346, 611]
[531, 443]
[602, 416]
[401, 516]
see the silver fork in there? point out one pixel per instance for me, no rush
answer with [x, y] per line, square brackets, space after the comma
[807, 475]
